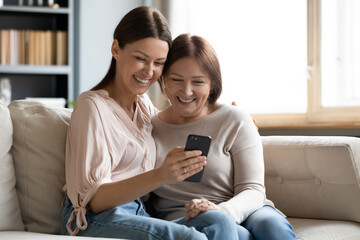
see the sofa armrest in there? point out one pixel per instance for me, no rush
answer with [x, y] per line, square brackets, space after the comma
[313, 177]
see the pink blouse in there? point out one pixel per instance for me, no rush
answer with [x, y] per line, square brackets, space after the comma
[104, 145]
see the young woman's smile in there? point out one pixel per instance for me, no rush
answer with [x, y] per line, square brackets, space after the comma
[140, 64]
[143, 81]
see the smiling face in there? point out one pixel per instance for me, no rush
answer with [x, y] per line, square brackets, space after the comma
[138, 65]
[188, 88]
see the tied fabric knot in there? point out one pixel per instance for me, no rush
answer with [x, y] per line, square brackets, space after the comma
[81, 223]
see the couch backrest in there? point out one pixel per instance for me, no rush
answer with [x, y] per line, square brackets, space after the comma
[314, 177]
[307, 177]
[39, 158]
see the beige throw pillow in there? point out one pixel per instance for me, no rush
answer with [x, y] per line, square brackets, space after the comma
[39, 158]
[10, 218]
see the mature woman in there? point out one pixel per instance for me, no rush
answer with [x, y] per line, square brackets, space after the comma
[233, 180]
[110, 153]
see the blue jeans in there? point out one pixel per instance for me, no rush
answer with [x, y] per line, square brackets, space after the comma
[216, 225]
[266, 224]
[131, 221]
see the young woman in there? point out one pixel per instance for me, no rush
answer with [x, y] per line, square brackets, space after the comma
[110, 153]
[233, 180]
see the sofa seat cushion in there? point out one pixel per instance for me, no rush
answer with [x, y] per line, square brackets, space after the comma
[17, 235]
[312, 229]
[39, 159]
[10, 218]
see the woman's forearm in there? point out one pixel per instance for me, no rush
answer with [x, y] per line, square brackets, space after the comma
[243, 204]
[113, 194]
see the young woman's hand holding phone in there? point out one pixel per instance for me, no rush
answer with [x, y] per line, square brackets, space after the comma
[179, 165]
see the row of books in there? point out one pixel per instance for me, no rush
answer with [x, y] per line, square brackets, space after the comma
[33, 47]
[50, 3]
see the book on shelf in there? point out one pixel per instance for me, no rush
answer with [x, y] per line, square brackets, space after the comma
[5, 47]
[2, 47]
[49, 47]
[42, 49]
[61, 48]
[21, 47]
[33, 47]
[13, 47]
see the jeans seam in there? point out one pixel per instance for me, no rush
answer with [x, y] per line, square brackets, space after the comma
[131, 227]
[138, 209]
[204, 230]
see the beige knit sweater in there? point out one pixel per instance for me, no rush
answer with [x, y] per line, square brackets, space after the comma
[234, 174]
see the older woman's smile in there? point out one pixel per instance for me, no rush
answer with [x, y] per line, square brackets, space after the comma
[186, 100]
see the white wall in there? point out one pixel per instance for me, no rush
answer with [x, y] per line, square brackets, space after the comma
[95, 21]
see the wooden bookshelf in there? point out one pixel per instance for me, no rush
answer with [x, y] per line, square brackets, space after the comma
[36, 9]
[44, 65]
[28, 69]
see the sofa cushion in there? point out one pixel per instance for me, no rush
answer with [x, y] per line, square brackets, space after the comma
[22, 235]
[312, 229]
[10, 218]
[314, 176]
[39, 159]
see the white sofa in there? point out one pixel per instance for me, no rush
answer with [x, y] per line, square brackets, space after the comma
[313, 180]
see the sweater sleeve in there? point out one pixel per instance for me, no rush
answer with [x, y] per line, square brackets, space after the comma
[88, 161]
[247, 156]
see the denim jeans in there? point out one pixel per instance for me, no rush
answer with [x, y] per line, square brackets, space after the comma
[266, 224]
[216, 225]
[131, 221]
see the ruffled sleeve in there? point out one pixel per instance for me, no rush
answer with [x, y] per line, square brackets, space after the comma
[88, 160]
[147, 106]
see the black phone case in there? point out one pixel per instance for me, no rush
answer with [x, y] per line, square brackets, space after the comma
[198, 142]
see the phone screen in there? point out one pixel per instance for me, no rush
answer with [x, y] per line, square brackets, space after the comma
[198, 142]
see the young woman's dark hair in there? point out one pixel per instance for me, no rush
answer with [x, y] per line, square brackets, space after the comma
[139, 23]
[198, 48]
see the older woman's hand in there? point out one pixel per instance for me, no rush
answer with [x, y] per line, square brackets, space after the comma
[196, 206]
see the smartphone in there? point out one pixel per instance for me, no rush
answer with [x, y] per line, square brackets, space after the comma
[198, 142]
